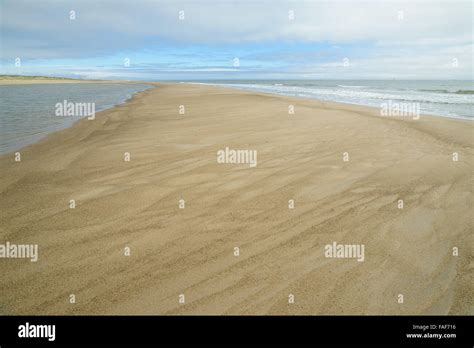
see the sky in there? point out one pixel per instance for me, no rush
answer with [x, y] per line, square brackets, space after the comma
[259, 39]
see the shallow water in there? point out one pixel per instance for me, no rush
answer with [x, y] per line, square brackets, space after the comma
[28, 112]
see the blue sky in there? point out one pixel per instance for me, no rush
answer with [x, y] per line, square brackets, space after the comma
[271, 39]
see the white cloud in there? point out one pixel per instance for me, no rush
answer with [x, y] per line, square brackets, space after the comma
[429, 32]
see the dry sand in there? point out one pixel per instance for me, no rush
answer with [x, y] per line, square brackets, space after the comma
[191, 251]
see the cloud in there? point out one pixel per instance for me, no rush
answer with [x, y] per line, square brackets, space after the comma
[376, 35]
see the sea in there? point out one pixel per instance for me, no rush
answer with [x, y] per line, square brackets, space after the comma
[28, 112]
[446, 98]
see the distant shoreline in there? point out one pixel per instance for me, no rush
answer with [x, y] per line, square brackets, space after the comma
[31, 80]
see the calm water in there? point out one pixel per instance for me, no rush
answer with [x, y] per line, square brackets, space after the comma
[442, 98]
[27, 112]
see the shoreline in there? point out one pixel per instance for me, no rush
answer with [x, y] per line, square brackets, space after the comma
[327, 100]
[7, 82]
[19, 149]
[373, 111]
[135, 204]
[218, 85]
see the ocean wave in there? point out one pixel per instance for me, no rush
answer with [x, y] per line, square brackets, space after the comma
[464, 91]
[351, 94]
[460, 91]
[458, 105]
[344, 86]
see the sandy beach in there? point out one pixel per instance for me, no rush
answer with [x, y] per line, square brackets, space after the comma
[191, 251]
